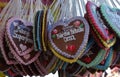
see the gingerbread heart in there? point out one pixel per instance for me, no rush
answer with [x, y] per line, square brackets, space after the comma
[5, 51]
[69, 39]
[20, 35]
[20, 41]
[27, 58]
[46, 61]
[97, 22]
[112, 17]
[105, 63]
[99, 26]
[37, 31]
[92, 57]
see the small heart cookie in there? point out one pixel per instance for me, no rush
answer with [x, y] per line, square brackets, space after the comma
[68, 40]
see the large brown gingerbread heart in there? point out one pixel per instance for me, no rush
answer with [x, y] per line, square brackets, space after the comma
[69, 38]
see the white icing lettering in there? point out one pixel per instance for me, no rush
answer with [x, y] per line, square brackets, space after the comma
[59, 35]
[68, 33]
[22, 38]
[69, 38]
[74, 31]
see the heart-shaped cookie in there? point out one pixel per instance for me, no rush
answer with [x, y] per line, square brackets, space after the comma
[93, 34]
[8, 56]
[97, 22]
[105, 63]
[46, 61]
[103, 33]
[112, 17]
[21, 37]
[40, 31]
[37, 31]
[92, 57]
[44, 32]
[19, 33]
[98, 38]
[68, 40]
[25, 59]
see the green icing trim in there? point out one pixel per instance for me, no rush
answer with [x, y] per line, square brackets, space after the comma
[96, 61]
[36, 31]
[107, 62]
[103, 8]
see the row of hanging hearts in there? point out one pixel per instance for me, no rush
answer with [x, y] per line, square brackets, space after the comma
[80, 44]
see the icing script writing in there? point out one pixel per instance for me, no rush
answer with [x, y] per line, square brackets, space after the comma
[22, 35]
[68, 34]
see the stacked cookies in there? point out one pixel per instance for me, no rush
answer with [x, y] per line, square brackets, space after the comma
[73, 47]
